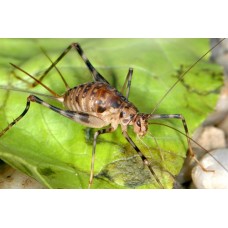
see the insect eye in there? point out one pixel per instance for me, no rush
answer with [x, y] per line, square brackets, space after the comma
[122, 114]
[138, 123]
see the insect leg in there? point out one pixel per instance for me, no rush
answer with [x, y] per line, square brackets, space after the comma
[39, 81]
[99, 132]
[79, 117]
[60, 74]
[17, 119]
[127, 83]
[144, 159]
[96, 75]
[180, 117]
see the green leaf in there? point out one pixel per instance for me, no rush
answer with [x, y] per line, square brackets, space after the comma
[57, 151]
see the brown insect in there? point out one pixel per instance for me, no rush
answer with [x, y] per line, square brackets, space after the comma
[97, 105]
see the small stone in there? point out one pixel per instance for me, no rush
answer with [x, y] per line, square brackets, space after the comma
[221, 109]
[14, 179]
[212, 138]
[216, 179]
[224, 125]
[222, 104]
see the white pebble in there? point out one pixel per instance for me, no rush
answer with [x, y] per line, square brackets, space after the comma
[11, 178]
[211, 180]
[212, 138]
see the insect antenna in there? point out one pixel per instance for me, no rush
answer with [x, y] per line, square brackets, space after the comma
[183, 75]
[192, 140]
[156, 143]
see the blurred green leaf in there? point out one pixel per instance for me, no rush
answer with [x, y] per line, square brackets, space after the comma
[57, 151]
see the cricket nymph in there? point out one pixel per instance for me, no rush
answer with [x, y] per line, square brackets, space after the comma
[107, 105]
[99, 105]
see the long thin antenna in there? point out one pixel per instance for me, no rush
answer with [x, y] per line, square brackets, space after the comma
[175, 129]
[182, 76]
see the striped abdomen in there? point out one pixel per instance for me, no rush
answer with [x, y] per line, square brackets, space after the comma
[97, 98]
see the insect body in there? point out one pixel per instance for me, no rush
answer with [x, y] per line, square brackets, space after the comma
[98, 105]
